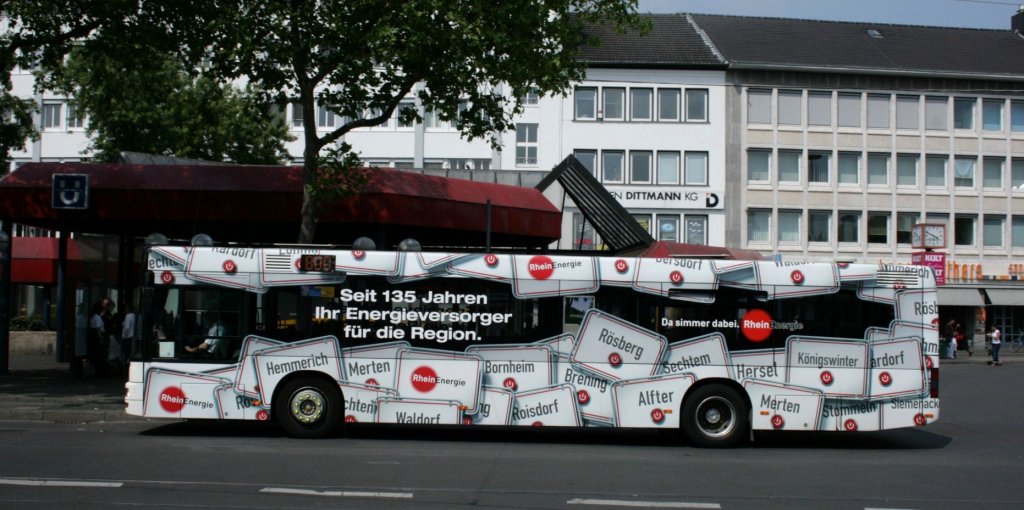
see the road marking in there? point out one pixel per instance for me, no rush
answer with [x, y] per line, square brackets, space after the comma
[642, 504]
[337, 494]
[58, 483]
[887, 509]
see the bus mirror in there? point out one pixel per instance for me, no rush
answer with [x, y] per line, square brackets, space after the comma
[156, 239]
[364, 244]
[202, 240]
[409, 245]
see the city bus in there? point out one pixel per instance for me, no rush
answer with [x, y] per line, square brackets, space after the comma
[317, 337]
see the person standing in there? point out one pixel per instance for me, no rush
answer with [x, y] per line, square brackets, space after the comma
[95, 342]
[997, 341]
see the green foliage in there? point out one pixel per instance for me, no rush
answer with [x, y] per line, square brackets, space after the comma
[24, 323]
[152, 103]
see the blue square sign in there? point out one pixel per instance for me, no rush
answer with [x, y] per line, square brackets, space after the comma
[70, 191]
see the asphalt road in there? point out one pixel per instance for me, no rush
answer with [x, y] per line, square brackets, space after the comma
[972, 458]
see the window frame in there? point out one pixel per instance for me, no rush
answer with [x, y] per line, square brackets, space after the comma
[633, 102]
[604, 166]
[677, 109]
[702, 171]
[704, 97]
[578, 113]
[607, 96]
[633, 155]
[527, 144]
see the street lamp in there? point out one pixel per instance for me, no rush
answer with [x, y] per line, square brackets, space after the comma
[5, 294]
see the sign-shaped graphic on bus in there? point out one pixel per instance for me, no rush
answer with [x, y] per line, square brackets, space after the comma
[515, 367]
[495, 407]
[593, 391]
[375, 365]
[440, 375]
[418, 412]
[554, 406]
[320, 354]
[361, 401]
[783, 407]
[617, 349]
[703, 356]
[836, 367]
[657, 400]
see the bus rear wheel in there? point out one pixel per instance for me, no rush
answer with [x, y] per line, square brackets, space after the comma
[308, 408]
[715, 416]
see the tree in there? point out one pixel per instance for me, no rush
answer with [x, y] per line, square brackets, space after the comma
[469, 60]
[37, 34]
[146, 99]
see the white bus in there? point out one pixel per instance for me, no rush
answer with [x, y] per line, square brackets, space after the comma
[313, 337]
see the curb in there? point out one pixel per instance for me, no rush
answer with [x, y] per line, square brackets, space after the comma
[64, 416]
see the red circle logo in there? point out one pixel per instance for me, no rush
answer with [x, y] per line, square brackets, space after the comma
[510, 383]
[778, 422]
[898, 285]
[298, 264]
[935, 321]
[843, 265]
[537, 424]
[424, 379]
[615, 360]
[583, 397]
[885, 378]
[350, 419]
[797, 276]
[621, 266]
[358, 254]
[676, 277]
[491, 260]
[756, 325]
[928, 362]
[172, 399]
[262, 415]
[467, 420]
[372, 382]
[541, 267]
[919, 419]
[827, 378]
[167, 277]
[658, 416]
[230, 267]
[850, 425]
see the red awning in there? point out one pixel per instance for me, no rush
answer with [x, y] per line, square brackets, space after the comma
[262, 204]
[34, 260]
[665, 249]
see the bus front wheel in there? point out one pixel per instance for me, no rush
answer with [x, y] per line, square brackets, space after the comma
[308, 408]
[715, 416]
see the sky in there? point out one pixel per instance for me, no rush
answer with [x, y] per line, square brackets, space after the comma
[993, 14]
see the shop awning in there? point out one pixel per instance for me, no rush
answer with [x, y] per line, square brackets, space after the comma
[1006, 297]
[960, 297]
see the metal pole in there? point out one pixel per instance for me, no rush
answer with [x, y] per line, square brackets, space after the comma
[62, 271]
[5, 298]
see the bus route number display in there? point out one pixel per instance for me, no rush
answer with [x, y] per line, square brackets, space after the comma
[317, 263]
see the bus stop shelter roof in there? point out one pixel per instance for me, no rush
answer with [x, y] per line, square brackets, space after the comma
[261, 204]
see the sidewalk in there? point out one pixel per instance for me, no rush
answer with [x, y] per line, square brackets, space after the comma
[41, 389]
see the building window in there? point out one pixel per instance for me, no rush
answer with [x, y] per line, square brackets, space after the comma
[878, 228]
[668, 104]
[526, 144]
[613, 104]
[1017, 232]
[1017, 174]
[849, 110]
[696, 105]
[759, 106]
[818, 167]
[75, 121]
[935, 171]
[904, 221]
[849, 168]
[789, 107]
[758, 225]
[583, 233]
[963, 172]
[936, 113]
[668, 227]
[992, 231]
[611, 165]
[586, 103]
[640, 104]
[759, 163]
[992, 173]
[992, 115]
[432, 119]
[587, 158]
[789, 227]
[400, 116]
[1017, 116]
[52, 115]
[963, 230]
[789, 166]
[906, 170]
[878, 111]
[324, 117]
[644, 220]
[819, 108]
[640, 167]
[696, 171]
[848, 230]
[668, 167]
[696, 228]
[531, 98]
[878, 169]
[297, 115]
[963, 112]
[819, 224]
[907, 112]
